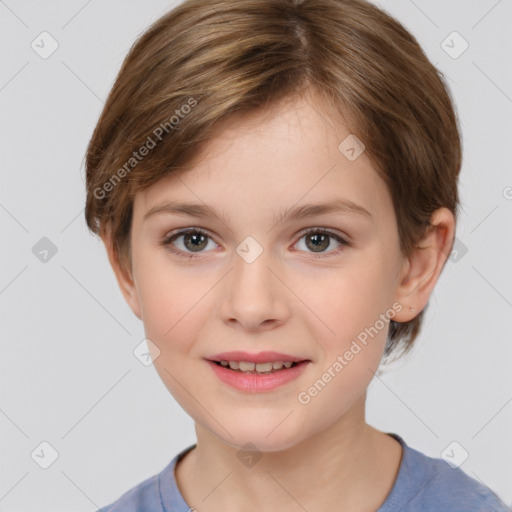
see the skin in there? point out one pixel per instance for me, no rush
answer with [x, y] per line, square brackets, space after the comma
[292, 299]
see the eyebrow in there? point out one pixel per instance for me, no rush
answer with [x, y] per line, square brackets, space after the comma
[339, 205]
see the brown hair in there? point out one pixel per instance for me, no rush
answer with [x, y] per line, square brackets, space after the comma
[207, 60]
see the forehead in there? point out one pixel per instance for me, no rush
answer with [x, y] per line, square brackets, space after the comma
[266, 161]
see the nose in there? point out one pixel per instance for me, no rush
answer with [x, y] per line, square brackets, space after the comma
[253, 296]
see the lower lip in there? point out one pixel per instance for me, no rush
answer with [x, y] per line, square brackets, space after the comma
[257, 383]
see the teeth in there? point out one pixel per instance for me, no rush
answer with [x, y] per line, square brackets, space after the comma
[263, 367]
[246, 366]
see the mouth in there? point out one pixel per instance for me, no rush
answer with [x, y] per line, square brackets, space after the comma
[251, 377]
[257, 372]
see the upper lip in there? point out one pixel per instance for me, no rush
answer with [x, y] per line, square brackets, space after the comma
[259, 357]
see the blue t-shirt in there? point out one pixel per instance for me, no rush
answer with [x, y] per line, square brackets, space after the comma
[423, 484]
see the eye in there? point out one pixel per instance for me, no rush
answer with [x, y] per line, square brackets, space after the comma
[318, 240]
[194, 240]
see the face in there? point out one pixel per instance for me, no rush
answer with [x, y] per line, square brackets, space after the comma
[257, 278]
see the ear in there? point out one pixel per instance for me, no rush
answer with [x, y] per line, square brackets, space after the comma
[123, 275]
[421, 270]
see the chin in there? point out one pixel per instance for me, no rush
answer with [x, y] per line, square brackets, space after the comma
[263, 438]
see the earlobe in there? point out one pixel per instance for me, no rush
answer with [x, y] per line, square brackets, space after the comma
[423, 267]
[123, 275]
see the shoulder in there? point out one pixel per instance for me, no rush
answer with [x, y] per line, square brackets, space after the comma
[158, 493]
[142, 497]
[430, 484]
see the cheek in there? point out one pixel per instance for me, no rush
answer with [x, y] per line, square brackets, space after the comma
[359, 311]
[169, 302]
[173, 311]
[350, 301]
[356, 310]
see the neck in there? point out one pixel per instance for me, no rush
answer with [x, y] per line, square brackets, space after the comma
[348, 465]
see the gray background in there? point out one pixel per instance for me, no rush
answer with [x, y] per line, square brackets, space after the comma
[68, 375]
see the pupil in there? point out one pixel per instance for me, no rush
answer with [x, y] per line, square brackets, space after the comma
[319, 241]
[197, 237]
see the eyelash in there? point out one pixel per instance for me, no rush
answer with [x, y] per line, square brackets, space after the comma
[167, 242]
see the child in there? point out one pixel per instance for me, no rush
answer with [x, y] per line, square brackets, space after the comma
[273, 180]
